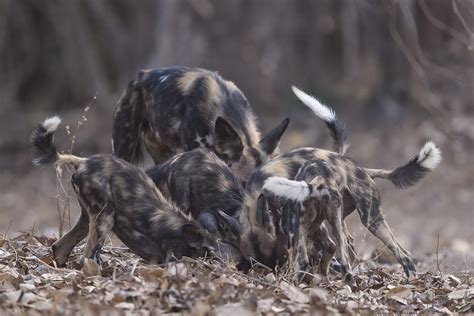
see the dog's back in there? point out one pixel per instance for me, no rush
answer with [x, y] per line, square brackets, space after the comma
[183, 108]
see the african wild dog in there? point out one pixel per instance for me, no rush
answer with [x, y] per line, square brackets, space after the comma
[203, 186]
[115, 195]
[184, 108]
[265, 230]
[357, 188]
[314, 196]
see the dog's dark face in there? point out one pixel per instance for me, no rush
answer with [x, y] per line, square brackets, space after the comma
[199, 242]
[263, 237]
[239, 154]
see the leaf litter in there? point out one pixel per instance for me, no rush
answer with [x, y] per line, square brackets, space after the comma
[30, 282]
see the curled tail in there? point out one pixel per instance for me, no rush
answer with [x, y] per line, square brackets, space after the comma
[128, 123]
[336, 127]
[44, 150]
[411, 173]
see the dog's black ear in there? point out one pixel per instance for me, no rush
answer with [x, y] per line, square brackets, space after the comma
[192, 235]
[270, 142]
[264, 218]
[227, 142]
[229, 223]
[209, 222]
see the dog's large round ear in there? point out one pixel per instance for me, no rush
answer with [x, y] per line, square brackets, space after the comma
[192, 235]
[227, 142]
[271, 140]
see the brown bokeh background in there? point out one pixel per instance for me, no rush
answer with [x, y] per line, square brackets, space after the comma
[397, 73]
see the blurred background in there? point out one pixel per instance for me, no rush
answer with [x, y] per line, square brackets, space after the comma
[397, 73]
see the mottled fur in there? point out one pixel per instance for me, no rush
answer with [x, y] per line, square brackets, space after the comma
[184, 108]
[318, 201]
[202, 185]
[357, 189]
[115, 195]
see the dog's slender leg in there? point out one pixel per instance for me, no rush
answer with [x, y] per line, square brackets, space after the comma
[353, 257]
[334, 217]
[371, 215]
[381, 230]
[328, 247]
[302, 260]
[100, 224]
[63, 246]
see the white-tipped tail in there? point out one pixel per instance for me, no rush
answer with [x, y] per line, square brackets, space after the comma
[290, 189]
[429, 156]
[320, 110]
[51, 123]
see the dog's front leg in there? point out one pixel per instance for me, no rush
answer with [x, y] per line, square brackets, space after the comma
[99, 226]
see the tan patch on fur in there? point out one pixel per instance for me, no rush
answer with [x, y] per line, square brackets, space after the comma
[278, 168]
[254, 133]
[186, 82]
[214, 93]
[231, 86]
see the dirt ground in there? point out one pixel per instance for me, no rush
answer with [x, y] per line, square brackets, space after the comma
[126, 286]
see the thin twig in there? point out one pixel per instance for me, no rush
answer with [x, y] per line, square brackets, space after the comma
[437, 258]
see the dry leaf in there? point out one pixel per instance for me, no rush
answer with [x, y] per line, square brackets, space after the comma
[41, 306]
[460, 294]
[27, 287]
[125, 305]
[151, 274]
[318, 296]
[294, 293]
[270, 278]
[399, 292]
[28, 298]
[233, 309]
[90, 268]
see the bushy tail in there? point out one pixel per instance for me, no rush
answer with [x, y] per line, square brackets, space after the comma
[290, 189]
[44, 150]
[128, 123]
[336, 128]
[426, 161]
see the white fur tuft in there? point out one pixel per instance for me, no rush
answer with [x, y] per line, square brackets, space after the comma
[51, 123]
[429, 156]
[320, 110]
[290, 189]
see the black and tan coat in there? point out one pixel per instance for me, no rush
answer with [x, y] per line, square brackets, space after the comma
[203, 186]
[181, 108]
[116, 196]
[355, 184]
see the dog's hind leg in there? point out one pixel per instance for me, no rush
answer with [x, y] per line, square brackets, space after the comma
[63, 246]
[322, 237]
[334, 218]
[370, 212]
[353, 257]
[100, 224]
